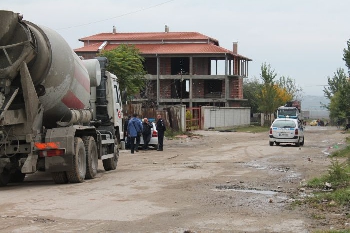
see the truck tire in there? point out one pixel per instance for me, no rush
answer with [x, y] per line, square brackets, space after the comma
[77, 174]
[17, 177]
[111, 163]
[4, 178]
[91, 157]
[59, 177]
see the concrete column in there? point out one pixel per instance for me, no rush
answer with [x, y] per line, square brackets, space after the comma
[227, 87]
[190, 90]
[158, 81]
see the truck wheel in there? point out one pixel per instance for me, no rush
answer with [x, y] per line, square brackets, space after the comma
[17, 177]
[91, 157]
[111, 163]
[77, 174]
[4, 178]
[59, 177]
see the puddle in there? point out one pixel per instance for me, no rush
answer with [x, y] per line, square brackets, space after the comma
[256, 166]
[256, 191]
[236, 188]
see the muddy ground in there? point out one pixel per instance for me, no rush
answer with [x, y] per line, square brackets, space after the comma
[215, 182]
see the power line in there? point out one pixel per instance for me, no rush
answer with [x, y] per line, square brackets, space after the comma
[129, 13]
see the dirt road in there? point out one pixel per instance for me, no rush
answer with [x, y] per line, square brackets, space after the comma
[217, 182]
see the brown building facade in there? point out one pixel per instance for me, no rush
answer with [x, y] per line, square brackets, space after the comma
[182, 67]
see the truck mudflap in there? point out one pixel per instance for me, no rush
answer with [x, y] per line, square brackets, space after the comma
[64, 138]
[59, 163]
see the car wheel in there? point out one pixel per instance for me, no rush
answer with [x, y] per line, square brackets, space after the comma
[302, 142]
[277, 143]
[271, 143]
[297, 144]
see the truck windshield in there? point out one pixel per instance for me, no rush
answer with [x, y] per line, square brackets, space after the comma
[287, 112]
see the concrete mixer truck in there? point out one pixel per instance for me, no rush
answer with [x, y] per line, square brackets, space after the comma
[58, 113]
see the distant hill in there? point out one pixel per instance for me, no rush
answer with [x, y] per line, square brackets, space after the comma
[311, 102]
[313, 105]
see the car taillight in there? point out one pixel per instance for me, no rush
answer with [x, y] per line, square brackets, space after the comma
[154, 133]
[51, 153]
[270, 130]
[296, 132]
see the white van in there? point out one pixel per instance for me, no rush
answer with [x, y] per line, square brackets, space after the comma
[286, 130]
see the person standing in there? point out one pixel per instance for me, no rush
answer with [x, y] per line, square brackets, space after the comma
[126, 136]
[134, 132]
[146, 133]
[160, 126]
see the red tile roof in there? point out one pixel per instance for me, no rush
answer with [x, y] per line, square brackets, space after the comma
[149, 36]
[158, 43]
[89, 48]
[166, 49]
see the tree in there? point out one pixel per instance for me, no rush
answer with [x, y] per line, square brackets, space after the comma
[268, 93]
[338, 81]
[282, 95]
[346, 56]
[251, 90]
[126, 62]
[338, 90]
[339, 106]
[290, 87]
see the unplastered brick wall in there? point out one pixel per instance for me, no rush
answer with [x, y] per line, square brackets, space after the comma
[236, 67]
[198, 88]
[236, 88]
[165, 89]
[201, 66]
[235, 104]
[165, 66]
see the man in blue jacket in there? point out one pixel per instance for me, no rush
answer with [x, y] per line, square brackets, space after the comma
[134, 132]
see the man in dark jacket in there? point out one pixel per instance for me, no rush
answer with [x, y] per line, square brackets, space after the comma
[146, 133]
[160, 126]
[126, 136]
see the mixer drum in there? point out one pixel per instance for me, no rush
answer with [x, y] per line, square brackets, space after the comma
[64, 81]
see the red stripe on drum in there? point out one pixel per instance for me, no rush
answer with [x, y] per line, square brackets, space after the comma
[72, 101]
[82, 77]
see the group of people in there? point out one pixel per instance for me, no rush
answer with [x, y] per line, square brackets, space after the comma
[134, 129]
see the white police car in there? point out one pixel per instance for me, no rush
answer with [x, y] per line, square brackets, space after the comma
[286, 130]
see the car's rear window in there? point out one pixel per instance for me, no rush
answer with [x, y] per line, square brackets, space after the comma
[284, 124]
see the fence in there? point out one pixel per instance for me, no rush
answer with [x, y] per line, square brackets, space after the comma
[193, 119]
[218, 117]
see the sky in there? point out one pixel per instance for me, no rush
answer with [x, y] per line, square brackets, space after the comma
[299, 39]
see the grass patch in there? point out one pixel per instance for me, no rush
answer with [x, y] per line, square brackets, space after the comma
[332, 189]
[345, 152]
[169, 133]
[172, 133]
[342, 153]
[338, 176]
[332, 231]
